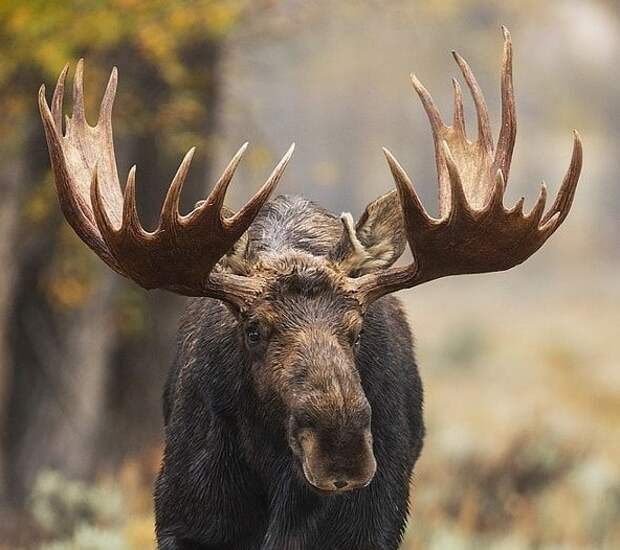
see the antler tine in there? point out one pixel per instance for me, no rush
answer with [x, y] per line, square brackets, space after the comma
[457, 193]
[484, 126]
[79, 116]
[439, 129]
[215, 200]
[518, 207]
[244, 217]
[49, 124]
[458, 122]
[105, 110]
[131, 220]
[57, 98]
[508, 130]
[434, 116]
[169, 217]
[564, 198]
[538, 209]
[416, 216]
[496, 198]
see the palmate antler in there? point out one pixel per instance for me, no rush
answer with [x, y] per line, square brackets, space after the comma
[475, 233]
[181, 253]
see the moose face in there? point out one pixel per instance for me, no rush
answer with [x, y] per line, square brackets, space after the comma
[302, 337]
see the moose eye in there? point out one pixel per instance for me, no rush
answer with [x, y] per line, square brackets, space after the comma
[357, 339]
[252, 335]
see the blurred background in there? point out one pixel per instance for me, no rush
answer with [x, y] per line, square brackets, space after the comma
[521, 369]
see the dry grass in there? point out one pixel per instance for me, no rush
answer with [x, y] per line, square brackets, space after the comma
[523, 448]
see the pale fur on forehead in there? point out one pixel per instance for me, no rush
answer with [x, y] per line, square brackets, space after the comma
[301, 264]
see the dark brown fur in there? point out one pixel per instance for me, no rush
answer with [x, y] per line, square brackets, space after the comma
[295, 423]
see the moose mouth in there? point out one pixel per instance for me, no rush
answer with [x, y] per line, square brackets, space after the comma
[325, 477]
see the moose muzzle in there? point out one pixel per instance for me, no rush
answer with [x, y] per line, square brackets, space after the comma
[335, 463]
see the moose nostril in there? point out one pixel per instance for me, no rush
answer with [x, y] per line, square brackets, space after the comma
[340, 484]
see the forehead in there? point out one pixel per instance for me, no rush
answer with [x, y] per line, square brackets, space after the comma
[302, 288]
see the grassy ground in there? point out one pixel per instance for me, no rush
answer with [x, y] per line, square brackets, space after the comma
[523, 412]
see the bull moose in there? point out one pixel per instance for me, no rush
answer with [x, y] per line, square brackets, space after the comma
[293, 410]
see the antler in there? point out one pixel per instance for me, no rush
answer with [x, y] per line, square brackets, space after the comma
[475, 233]
[181, 254]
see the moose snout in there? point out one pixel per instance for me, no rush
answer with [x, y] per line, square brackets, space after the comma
[336, 459]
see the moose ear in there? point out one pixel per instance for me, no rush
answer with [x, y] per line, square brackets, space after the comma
[376, 241]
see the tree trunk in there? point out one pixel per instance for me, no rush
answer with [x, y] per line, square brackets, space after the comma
[60, 386]
[59, 354]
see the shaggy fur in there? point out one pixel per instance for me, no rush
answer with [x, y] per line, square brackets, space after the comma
[231, 478]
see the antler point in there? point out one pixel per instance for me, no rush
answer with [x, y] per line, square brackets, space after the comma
[289, 154]
[415, 81]
[63, 73]
[390, 158]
